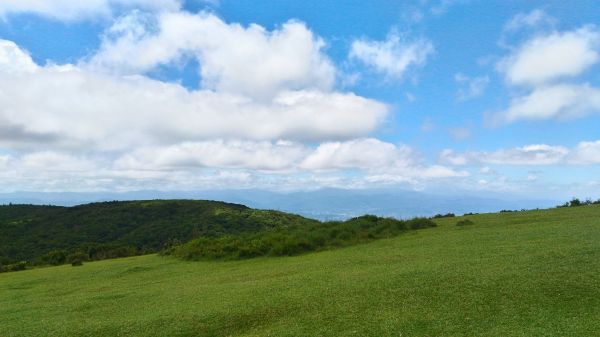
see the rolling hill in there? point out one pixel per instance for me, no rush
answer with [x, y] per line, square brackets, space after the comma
[532, 273]
[110, 229]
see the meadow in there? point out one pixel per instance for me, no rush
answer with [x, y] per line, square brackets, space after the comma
[533, 273]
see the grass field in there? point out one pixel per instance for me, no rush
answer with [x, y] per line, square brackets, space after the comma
[534, 273]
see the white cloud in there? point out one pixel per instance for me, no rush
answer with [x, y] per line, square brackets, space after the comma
[218, 163]
[394, 56]
[70, 107]
[527, 155]
[535, 18]
[547, 58]
[364, 154]
[70, 10]
[472, 86]
[272, 117]
[4, 160]
[55, 161]
[235, 59]
[544, 64]
[584, 153]
[450, 157]
[383, 162]
[262, 156]
[359, 153]
[555, 101]
[487, 171]
[14, 60]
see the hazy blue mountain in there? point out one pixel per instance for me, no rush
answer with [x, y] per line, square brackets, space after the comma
[322, 204]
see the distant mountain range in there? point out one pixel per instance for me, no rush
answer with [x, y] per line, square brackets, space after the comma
[323, 204]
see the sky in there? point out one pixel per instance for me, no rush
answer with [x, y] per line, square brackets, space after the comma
[427, 95]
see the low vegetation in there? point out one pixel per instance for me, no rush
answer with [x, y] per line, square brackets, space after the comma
[465, 222]
[447, 215]
[294, 240]
[575, 202]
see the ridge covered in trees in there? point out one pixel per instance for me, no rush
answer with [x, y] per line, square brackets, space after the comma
[52, 235]
[191, 229]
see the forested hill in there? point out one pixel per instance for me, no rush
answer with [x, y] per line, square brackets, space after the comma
[46, 234]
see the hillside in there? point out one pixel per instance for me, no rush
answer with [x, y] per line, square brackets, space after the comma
[531, 273]
[112, 229]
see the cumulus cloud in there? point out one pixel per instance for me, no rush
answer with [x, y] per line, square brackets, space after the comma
[393, 56]
[384, 162]
[554, 101]
[585, 153]
[85, 127]
[543, 65]
[358, 153]
[236, 59]
[69, 10]
[69, 106]
[547, 58]
[15, 60]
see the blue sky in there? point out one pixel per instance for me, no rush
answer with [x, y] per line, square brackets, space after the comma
[491, 96]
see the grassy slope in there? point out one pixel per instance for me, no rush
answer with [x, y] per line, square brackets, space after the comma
[515, 274]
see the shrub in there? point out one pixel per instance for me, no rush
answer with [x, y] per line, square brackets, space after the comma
[17, 266]
[447, 215]
[77, 258]
[465, 222]
[576, 202]
[419, 223]
[55, 257]
[295, 239]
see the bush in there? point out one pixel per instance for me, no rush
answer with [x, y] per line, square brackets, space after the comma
[465, 222]
[77, 258]
[295, 239]
[448, 215]
[575, 202]
[55, 257]
[419, 223]
[108, 251]
[17, 266]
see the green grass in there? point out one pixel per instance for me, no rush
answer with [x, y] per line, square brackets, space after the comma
[531, 273]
